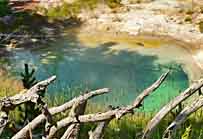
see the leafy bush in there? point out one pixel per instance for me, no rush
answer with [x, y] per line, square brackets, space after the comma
[113, 3]
[188, 19]
[71, 10]
[4, 8]
[201, 26]
[66, 10]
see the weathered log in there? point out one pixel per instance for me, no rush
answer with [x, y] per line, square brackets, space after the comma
[55, 110]
[99, 130]
[73, 130]
[117, 113]
[98, 133]
[182, 116]
[49, 119]
[70, 132]
[171, 105]
[32, 95]
[3, 121]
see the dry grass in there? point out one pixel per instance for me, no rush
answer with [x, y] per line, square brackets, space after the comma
[8, 85]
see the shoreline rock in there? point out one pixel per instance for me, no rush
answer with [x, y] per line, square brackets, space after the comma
[149, 20]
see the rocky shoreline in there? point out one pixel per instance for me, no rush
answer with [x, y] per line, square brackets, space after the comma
[163, 19]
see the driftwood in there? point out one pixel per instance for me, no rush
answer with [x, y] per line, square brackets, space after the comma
[76, 115]
[99, 117]
[3, 121]
[182, 117]
[55, 110]
[98, 133]
[32, 95]
[99, 130]
[171, 105]
[77, 106]
[73, 131]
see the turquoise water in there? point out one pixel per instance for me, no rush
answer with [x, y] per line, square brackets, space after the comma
[78, 67]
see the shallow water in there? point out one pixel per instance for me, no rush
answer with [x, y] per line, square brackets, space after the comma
[126, 68]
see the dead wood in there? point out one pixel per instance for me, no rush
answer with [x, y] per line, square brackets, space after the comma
[32, 95]
[182, 116]
[171, 105]
[55, 110]
[117, 113]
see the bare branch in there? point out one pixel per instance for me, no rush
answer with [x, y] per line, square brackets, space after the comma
[183, 116]
[32, 95]
[69, 133]
[3, 121]
[117, 113]
[99, 130]
[171, 105]
[49, 118]
[73, 130]
[55, 110]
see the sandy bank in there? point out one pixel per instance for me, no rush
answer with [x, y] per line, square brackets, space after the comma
[165, 49]
[159, 19]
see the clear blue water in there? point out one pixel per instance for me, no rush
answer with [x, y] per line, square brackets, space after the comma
[81, 68]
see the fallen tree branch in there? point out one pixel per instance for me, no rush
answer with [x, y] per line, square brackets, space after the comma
[99, 130]
[183, 116]
[117, 113]
[69, 133]
[73, 130]
[10, 103]
[171, 105]
[3, 121]
[49, 119]
[55, 110]
[31, 95]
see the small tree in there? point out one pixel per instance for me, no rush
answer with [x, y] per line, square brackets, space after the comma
[28, 77]
[29, 80]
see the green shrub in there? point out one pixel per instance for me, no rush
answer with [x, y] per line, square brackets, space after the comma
[4, 8]
[71, 10]
[114, 3]
[187, 133]
[190, 12]
[66, 10]
[188, 19]
[201, 26]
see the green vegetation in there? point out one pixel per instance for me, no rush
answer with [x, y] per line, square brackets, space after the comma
[29, 108]
[201, 26]
[28, 78]
[4, 8]
[132, 126]
[71, 10]
[113, 3]
[188, 19]
[139, 1]
[129, 127]
[187, 133]
[8, 85]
